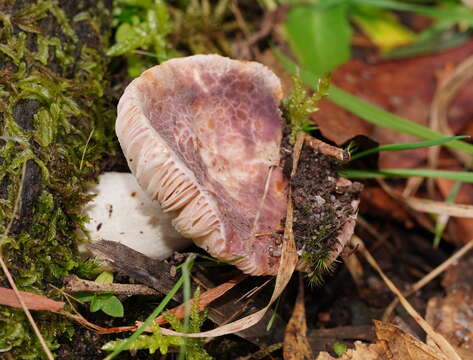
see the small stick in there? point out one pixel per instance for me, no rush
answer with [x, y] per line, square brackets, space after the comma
[326, 149]
[76, 284]
[441, 342]
[429, 277]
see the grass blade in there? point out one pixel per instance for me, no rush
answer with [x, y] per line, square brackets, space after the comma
[453, 13]
[463, 176]
[149, 319]
[370, 112]
[441, 222]
[407, 146]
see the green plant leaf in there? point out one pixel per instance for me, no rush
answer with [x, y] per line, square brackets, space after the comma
[370, 112]
[407, 146]
[105, 278]
[95, 304]
[463, 176]
[112, 306]
[454, 12]
[83, 296]
[150, 318]
[339, 349]
[319, 37]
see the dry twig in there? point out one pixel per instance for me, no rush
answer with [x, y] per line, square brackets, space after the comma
[429, 277]
[441, 342]
[76, 284]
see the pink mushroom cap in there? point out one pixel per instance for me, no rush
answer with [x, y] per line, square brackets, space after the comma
[202, 135]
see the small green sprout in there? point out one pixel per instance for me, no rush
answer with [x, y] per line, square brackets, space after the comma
[157, 341]
[339, 349]
[299, 105]
[106, 302]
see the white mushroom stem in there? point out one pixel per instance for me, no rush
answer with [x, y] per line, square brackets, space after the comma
[122, 212]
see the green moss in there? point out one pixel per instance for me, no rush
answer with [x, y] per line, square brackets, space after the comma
[316, 255]
[149, 32]
[60, 80]
[298, 106]
[193, 347]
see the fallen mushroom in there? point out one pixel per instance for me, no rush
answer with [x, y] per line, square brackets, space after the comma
[122, 212]
[202, 135]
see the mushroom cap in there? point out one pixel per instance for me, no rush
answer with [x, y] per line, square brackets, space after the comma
[122, 212]
[202, 136]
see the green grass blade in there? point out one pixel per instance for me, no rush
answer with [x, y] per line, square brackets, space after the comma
[454, 13]
[187, 298]
[407, 146]
[149, 319]
[440, 225]
[463, 176]
[370, 112]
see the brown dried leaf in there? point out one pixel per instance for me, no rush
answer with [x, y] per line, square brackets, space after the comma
[362, 351]
[32, 301]
[460, 229]
[393, 344]
[404, 346]
[452, 315]
[296, 346]
[404, 87]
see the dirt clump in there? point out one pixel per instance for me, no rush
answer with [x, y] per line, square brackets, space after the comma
[322, 204]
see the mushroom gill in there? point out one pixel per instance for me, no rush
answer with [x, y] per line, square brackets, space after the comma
[202, 135]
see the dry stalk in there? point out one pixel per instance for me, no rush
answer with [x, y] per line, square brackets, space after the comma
[76, 284]
[326, 149]
[441, 342]
[438, 111]
[430, 206]
[429, 277]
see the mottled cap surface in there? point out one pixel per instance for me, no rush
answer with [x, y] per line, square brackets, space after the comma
[202, 136]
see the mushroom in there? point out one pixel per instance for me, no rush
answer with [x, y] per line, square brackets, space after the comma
[202, 135]
[122, 212]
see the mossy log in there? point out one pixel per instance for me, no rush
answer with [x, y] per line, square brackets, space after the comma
[55, 126]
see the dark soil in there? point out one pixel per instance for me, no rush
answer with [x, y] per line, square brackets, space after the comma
[321, 207]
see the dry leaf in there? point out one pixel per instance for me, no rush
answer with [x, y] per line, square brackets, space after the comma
[32, 301]
[362, 351]
[296, 346]
[452, 316]
[404, 346]
[392, 344]
[404, 87]
[461, 229]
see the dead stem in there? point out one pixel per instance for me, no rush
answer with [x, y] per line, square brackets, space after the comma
[76, 284]
[326, 149]
[261, 204]
[429, 277]
[444, 95]
[441, 342]
[9, 276]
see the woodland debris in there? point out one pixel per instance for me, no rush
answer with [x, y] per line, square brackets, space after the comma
[75, 284]
[392, 343]
[296, 345]
[452, 315]
[439, 340]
